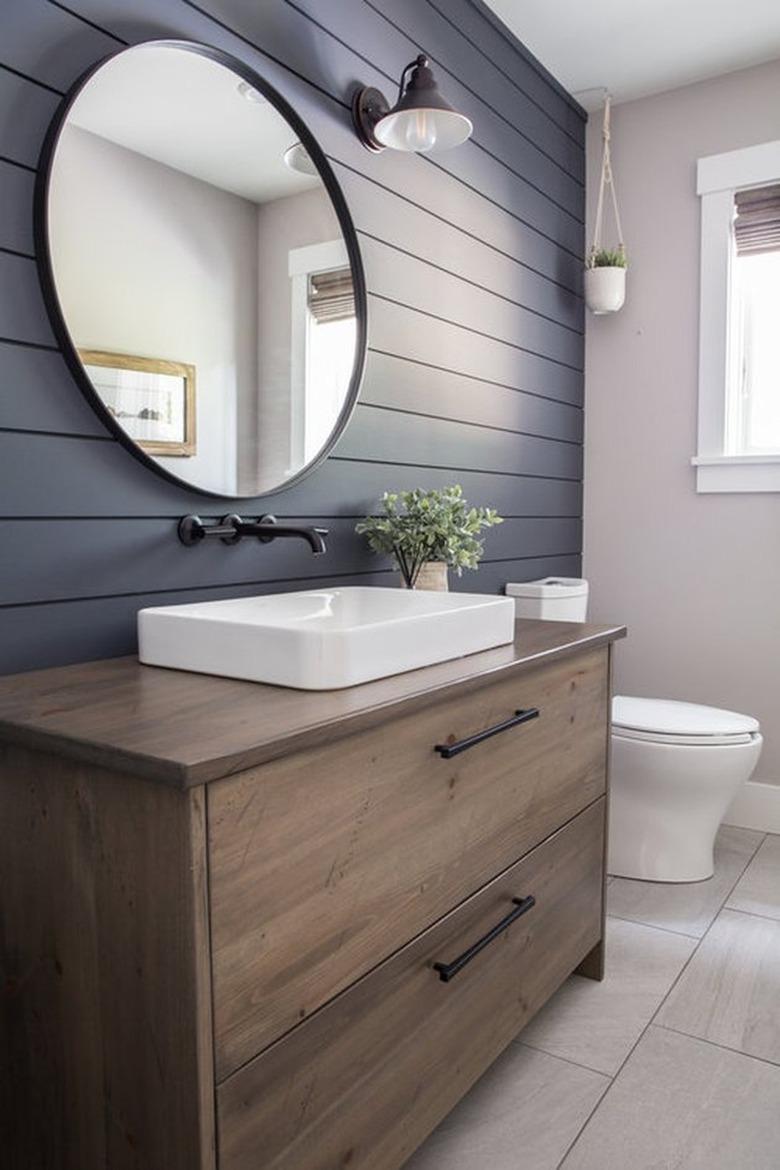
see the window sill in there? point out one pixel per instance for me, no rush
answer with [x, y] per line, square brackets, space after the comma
[737, 473]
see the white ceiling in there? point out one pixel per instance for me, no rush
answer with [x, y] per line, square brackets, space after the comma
[638, 47]
[186, 111]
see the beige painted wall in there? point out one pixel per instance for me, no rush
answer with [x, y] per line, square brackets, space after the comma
[695, 577]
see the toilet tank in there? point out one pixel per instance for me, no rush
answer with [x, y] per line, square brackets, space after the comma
[560, 599]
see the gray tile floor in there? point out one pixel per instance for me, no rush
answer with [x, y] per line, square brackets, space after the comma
[672, 1063]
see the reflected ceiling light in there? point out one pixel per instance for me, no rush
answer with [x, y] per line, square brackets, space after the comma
[250, 93]
[297, 158]
[421, 120]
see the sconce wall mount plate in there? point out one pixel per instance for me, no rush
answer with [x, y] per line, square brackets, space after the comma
[369, 105]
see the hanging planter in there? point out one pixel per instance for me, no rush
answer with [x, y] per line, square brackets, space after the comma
[605, 282]
[605, 270]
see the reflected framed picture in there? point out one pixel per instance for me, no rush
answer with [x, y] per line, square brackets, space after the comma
[152, 399]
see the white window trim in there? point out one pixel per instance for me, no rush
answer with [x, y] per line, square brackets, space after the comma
[717, 178]
[302, 263]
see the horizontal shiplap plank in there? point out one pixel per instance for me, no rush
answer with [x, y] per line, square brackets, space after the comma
[354, 488]
[398, 329]
[46, 42]
[486, 175]
[399, 438]
[479, 26]
[16, 199]
[382, 214]
[135, 556]
[40, 394]
[55, 634]
[404, 278]
[26, 110]
[428, 390]
[477, 212]
[22, 311]
[43, 475]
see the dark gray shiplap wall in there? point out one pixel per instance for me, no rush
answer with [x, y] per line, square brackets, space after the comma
[474, 373]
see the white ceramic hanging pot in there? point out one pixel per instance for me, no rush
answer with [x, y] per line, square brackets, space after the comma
[605, 289]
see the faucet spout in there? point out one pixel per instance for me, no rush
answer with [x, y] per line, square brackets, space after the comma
[268, 528]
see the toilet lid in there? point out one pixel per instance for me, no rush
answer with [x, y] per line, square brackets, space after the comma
[668, 720]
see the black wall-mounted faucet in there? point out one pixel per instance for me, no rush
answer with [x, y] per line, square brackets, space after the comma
[230, 529]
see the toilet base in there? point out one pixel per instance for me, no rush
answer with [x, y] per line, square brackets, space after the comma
[667, 802]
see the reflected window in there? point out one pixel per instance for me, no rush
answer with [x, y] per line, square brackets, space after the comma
[324, 335]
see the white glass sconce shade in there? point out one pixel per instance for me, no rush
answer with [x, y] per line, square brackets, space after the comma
[421, 120]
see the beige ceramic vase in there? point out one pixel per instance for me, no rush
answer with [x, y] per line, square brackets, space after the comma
[432, 577]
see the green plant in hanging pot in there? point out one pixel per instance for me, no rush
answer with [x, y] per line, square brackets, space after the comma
[605, 280]
[427, 532]
[605, 268]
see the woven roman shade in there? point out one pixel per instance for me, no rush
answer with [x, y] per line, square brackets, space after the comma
[757, 223]
[331, 295]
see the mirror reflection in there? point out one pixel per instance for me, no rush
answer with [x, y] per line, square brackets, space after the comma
[202, 271]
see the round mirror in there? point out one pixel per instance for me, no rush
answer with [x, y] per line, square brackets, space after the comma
[201, 269]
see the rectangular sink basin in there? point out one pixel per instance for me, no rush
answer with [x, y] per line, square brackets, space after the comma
[323, 639]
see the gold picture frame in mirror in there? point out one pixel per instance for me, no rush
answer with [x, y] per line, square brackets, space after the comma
[157, 408]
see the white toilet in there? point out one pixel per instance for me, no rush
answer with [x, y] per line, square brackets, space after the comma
[675, 766]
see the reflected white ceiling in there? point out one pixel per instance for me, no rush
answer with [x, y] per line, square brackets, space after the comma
[186, 111]
[638, 47]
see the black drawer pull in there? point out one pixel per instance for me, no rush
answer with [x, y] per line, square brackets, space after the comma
[448, 971]
[448, 750]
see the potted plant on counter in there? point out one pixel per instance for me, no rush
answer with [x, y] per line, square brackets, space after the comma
[427, 532]
[605, 280]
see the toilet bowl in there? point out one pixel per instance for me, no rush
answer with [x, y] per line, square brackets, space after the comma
[675, 766]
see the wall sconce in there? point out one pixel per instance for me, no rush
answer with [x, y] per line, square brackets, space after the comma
[421, 120]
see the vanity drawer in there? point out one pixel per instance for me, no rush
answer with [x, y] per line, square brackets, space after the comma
[324, 863]
[363, 1082]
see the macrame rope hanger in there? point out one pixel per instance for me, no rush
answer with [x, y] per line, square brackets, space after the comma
[607, 180]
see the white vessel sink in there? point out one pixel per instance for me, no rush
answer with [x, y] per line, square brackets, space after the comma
[323, 639]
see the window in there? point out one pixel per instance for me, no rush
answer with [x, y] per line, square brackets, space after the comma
[753, 407]
[739, 356]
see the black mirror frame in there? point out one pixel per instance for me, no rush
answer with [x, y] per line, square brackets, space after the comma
[51, 297]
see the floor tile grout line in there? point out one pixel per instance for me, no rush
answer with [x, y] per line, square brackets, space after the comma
[722, 1047]
[651, 1021]
[654, 926]
[566, 1059]
[749, 913]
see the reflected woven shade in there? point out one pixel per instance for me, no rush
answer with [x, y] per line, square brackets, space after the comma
[332, 295]
[757, 222]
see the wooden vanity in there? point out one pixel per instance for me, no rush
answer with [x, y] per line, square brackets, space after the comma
[240, 924]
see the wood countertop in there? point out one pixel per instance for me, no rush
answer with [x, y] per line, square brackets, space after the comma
[186, 729]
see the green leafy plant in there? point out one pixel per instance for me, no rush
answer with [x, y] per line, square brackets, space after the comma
[605, 258]
[419, 526]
